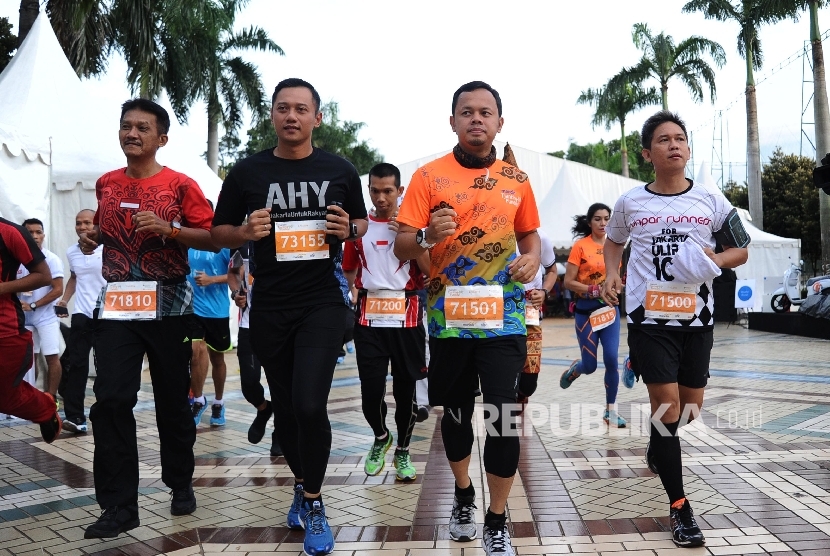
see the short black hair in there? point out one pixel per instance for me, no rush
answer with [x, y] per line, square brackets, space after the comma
[385, 170]
[297, 82]
[474, 86]
[145, 105]
[655, 121]
[33, 221]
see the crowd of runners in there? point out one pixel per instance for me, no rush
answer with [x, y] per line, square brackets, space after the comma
[446, 277]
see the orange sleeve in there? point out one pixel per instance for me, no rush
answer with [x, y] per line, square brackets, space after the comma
[414, 209]
[575, 257]
[527, 215]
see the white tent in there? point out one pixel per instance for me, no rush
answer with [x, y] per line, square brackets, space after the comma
[769, 255]
[55, 142]
[562, 188]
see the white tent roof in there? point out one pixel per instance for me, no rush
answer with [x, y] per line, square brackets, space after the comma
[45, 114]
[562, 188]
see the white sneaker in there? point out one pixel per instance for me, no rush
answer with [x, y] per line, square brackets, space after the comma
[462, 522]
[496, 541]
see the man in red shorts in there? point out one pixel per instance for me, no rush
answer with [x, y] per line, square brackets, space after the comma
[18, 397]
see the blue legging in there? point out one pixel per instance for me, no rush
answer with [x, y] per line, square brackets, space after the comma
[609, 337]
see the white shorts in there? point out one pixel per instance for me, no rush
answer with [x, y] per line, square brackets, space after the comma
[46, 337]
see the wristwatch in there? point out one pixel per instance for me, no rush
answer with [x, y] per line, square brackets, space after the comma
[33, 306]
[176, 228]
[421, 239]
[352, 231]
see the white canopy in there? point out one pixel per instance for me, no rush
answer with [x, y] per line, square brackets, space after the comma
[769, 255]
[562, 188]
[55, 142]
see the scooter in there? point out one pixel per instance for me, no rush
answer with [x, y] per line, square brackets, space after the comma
[790, 293]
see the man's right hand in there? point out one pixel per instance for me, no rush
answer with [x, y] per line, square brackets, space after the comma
[441, 225]
[258, 226]
[241, 299]
[88, 242]
[612, 289]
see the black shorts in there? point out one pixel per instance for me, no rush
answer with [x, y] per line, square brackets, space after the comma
[458, 367]
[667, 356]
[216, 333]
[404, 347]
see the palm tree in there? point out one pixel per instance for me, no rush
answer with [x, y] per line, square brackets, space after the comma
[228, 80]
[613, 102]
[663, 60]
[750, 15]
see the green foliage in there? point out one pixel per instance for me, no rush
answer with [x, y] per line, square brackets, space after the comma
[791, 203]
[333, 135]
[8, 42]
[737, 194]
[607, 156]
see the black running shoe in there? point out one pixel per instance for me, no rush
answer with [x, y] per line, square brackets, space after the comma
[113, 522]
[423, 414]
[184, 501]
[257, 429]
[684, 529]
[276, 450]
[652, 465]
[51, 429]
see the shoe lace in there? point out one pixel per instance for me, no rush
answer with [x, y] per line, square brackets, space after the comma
[109, 513]
[463, 512]
[402, 460]
[316, 521]
[216, 411]
[197, 407]
[685, 517]
[497, 539]
[298, 500]
[377, 449]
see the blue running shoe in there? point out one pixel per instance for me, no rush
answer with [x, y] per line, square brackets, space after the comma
[628, 373]
[296, 513]
[568, 376]
[341, 360]
[318, 536]
[198, 409]
[350, 346]
[217, 415]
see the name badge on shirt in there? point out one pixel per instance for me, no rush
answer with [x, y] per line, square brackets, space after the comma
[670, 300]
[130, 204]
[386, 305]
[602, 318]
[303, 240]
[131, 301]
[479, 307]
[531, 315]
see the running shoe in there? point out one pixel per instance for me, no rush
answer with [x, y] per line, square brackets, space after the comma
[184, 501]
[113, 521]
[76, 425]
[318, 536]
[613, 419]
[652, 465]
[462, 520]
[257, 429]
[217, 415]
[376, 458]
[568, 376]
[198, 409]
[684, 529]
[350, 347]
[296, 513]
[341, 359]
[51, 429]
[496, 541]
[628, 373]
[423, 413]
[403, 464]
[276, 449]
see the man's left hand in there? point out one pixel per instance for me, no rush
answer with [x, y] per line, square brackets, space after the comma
[202, 279]
[524, 267]
[536, 297]
[337, 224]
[147, 221]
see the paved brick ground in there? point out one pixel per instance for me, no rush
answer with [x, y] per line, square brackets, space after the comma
[757, 471]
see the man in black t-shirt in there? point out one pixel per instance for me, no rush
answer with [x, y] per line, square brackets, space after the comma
[301, 202]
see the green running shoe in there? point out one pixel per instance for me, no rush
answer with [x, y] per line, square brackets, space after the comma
[375, 459]
[403, 463]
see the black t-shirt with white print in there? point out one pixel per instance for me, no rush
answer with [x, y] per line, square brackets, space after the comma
[657, 224]
[297, 191]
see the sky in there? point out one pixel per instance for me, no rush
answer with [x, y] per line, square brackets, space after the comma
[395, 65]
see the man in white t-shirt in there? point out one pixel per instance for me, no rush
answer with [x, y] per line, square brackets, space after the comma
[673, 225]
[39, 306]
[85, 283]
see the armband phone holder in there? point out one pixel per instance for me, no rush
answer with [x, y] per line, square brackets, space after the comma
[733, 233]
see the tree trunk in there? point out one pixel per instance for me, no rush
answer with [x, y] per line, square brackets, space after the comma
[28, 14]
[821, 112]
[623, 150]
[213, 143]
[753, 148]
[664, 93]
